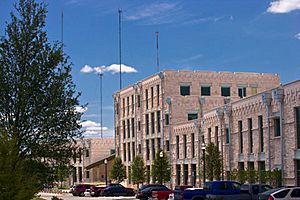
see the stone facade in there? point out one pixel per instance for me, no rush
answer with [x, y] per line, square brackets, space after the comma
[155, 112]
[93, 150]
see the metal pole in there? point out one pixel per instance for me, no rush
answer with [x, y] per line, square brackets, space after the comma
[101, 75]
[199, 145]
[120, 47]
[203, 165]
[105, 173]
[157, 53]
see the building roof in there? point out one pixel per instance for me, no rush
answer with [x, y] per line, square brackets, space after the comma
[101, 162]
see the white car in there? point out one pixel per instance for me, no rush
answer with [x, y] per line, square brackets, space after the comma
[292, 193]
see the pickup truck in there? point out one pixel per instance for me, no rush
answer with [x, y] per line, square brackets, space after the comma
[212, 187]
[161, 195]
[247, 192]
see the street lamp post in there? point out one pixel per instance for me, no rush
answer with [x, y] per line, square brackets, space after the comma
[101, 76]
[203, 147]
[105, 163]
[161, 155]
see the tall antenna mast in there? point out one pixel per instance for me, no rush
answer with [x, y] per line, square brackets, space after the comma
[62, 29]
[157, 54]
[120, 49]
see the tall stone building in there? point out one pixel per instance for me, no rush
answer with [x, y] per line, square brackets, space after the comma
[155, 113]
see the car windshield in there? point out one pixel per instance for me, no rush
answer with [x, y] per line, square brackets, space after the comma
[271, 191]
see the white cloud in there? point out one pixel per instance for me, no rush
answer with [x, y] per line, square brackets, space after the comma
[91, 128]
[297, 36]
[113, 68]
[89, 123]
[80, 109]
[284, 6]
[86, 69]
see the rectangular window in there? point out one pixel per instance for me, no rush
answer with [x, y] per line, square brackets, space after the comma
[227, 139]
[297, 111]
[177, 146]
[147, 124]
[124, 152]
[167, 119]
[242, 92]
[158, 121]
[124, 129]
[225, 91]
[194, 174]
[147, 150]
[152, 123]
[158, 143]
[87, 174]
[192, 116]
[184, 146]
[129, 150]
[217, 136]
[74, 174]
[123, 107]
[87, 153]
[298, 171]
[139, 100]
[205, 90]
[157, 94]
[250, 135]
[80, 173]
[139, 125]
[133, 150]
[168, 145]
[132, 127]
[250, 165]
[185, 174]
[209, 135]
[152, 95]
[146, 93]
[128, 128]
[184, 90]
[132, 104]
[153, 148]
[140, 148]
[178, 174]
[261, 133]
[148, 172]
[193, 145]
[277, 126]
[128, 106]
[240, 124]
[117, 108]
[241, 166]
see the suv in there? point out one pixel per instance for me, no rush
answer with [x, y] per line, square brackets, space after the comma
[80, 189]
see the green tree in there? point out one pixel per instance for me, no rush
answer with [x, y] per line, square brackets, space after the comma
[138, 171]
[161, 171]
[118, 172]
[37, 101]
[213, 162]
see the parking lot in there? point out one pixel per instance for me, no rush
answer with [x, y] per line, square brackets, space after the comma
[48, 196]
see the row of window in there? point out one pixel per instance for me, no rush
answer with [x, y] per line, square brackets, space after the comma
[206, 91]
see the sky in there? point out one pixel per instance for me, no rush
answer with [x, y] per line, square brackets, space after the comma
[214, 35]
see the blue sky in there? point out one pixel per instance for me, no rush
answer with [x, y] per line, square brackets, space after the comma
[233, 35]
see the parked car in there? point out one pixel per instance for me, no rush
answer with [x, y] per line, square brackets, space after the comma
[80, 189]
[72, 188]
[145, 192]
[292, 193]
[96, 190]
[161, 194]
[178, 192]
[117, 190]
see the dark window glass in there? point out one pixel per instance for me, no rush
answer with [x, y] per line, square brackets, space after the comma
[185, 174]
[87, 174]
[240, 124]
[261, 133]
[132, 104]
[152, 123]
[250, 165]
[147, 150]
[209, 134]
[242, 92]
[241, 166]
[157, 94]
[127, 105]
[194, 174]
[87, 153]
[124, 152]
[146, 93]
[124, 129]
[152, 97]
[80, 173]
[132, 127]
[205, 90]
[178, 174]
[277, 126]
[227, 135]
[128, 128]
[250, 135]
[139, 125]
[158, 143]
[282, 194]
[147, 124]
[123, 107]
[184, 90]
[133, 150]
[168, 145]
[153, 148]
[192, 116]
[177, 146]
[167, 119]
[140, 148]
[158, 121]
[129, 154]
[217, 136]
[298, 171]
[184, 146]
[225, 91]
[295, 193]
[139, 100]
[297, 110]
[193, 144]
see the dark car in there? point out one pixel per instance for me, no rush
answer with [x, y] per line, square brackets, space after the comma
[117, 190]
[145, 192]
[95, 191]
[80, 189]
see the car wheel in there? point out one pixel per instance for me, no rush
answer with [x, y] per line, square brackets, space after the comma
[81, 194]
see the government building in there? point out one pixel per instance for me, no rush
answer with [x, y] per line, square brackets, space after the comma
[251, 117]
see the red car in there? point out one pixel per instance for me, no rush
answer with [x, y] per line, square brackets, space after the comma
[80, 189]
[95, 191]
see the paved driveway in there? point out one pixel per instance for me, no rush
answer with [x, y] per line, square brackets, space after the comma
[48, 196]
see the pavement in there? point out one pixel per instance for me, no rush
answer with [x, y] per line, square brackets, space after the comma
[48, 196]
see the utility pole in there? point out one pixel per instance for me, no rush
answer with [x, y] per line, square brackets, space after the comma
[101, 76]
[157, 52]
[120, 48]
